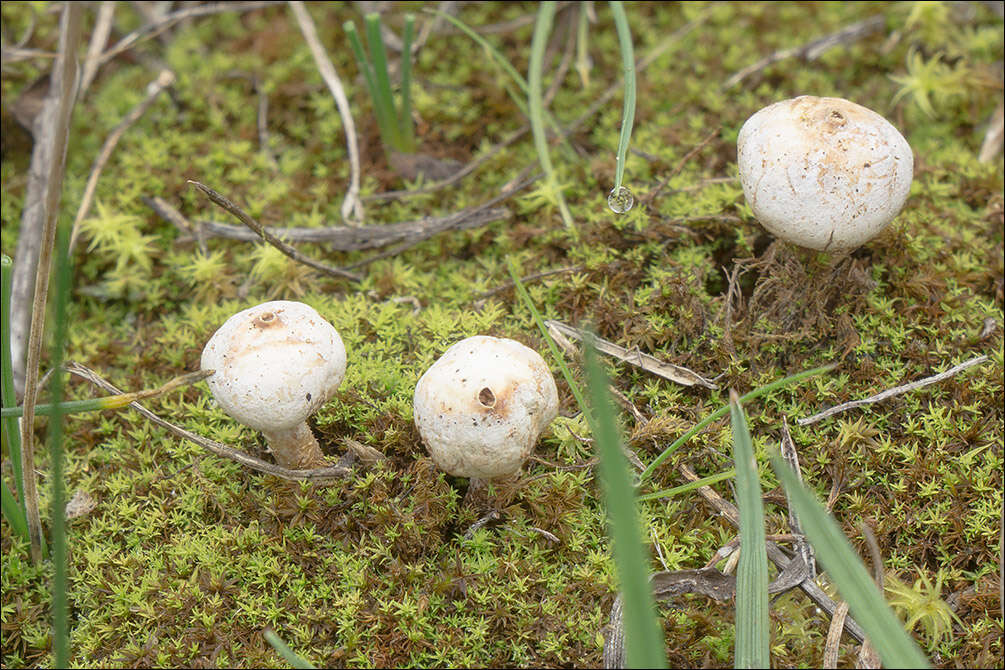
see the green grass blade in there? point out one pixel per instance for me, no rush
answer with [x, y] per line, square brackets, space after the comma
[722, 411]
[13, 512]
[690, 486]
[849, 575]
[752, 641]
[644, 645]
[384, 121]
[535, 104]
[283, 650]
[506, 67]
[521, 290]
[628, 66]
[60, 614]
[117, 401]
[378, 57]
[405, 119]
[9, 399]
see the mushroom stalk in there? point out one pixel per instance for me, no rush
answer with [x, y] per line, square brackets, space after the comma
[296, 448]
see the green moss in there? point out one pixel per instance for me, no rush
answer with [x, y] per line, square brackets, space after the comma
[187, 557]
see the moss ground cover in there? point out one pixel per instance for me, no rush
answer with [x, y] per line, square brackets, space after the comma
[188, 558]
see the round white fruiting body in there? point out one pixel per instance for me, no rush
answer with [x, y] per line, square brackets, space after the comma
[823, 173]
[275, 364]
[482, 406]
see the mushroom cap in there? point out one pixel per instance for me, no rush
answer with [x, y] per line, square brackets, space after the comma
[275, 364]
[481, 407]
[823, 173]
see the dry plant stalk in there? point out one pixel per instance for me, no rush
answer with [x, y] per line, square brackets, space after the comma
[352, 206]
[316, 475]
[813, 50]
[889, 393]
[289, 251]
[674, 373]
[40, 219]
[165, 79]
[99, 37]
[775, 554]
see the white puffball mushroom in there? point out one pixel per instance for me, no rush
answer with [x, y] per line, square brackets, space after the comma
[482, 406]
[823, 173]
[275, 364]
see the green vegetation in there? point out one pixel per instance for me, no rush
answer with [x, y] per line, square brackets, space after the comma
[394, 121]
[187, 559]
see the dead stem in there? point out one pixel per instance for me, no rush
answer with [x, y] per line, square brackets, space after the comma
[99, 38]
[889, 393]
[272, 239]
[813, 50]
[153, 29]
[317, 474]
[352, 206]
[777, 556]
[834, 636]
[650, 364]
[39, 220]
[165, 79]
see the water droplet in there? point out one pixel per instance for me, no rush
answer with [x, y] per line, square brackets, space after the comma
[620, 200]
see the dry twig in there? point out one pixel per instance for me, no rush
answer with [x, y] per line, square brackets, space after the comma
[156, 28]
[38, 221]
[775, 553]
[674, 373]
[803, 548]
[352, 206]
[993, 139]
[318, 474]
[889, 393]
[270, 238]
[813, 50]
[834, 636]
[99, 37]
[165, 79]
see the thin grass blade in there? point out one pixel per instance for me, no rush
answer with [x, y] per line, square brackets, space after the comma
[60, 614]
[722, 411]
[850, 576]
[380, 111]
[521, 290]
[13, 512]
[752, 641]
[690, 486]
[10, 428]
[283, 650]
[117, 401]
[628, 67]
[644, 645]
[378, 57]
[405, 119]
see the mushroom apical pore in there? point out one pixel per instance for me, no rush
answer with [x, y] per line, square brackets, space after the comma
[823, 173]
[275, 364]
[482, 406]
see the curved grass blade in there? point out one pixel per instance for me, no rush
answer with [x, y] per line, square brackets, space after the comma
[690, 486]
[849, 575]
[283, 650]
[535, 105]
[521, 290]
[644, 645]
[722, 411]
[752, 641]
[628, 113]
